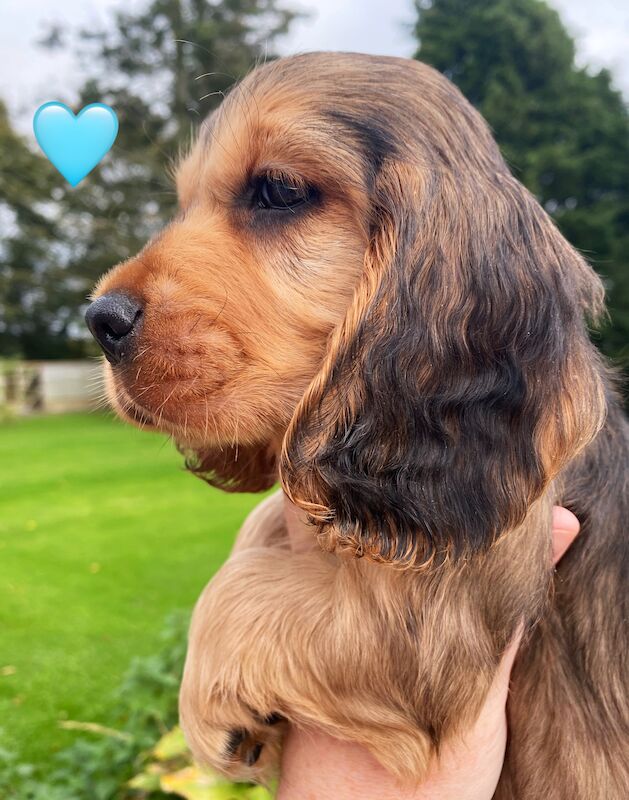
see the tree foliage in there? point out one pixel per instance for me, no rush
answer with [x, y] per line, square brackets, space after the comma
[564, 130]
[37, 297]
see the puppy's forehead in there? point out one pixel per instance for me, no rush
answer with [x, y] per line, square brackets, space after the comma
[324, 119]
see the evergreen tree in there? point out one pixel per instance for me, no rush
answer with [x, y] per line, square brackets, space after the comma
[37, 297]
[563, 130]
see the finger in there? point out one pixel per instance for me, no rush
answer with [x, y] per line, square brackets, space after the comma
[565, 529]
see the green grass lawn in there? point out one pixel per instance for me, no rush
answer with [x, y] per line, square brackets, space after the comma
[101, 535]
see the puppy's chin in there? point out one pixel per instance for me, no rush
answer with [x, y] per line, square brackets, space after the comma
[129, 411]
[179, 407]
[210, 453]
[168, 418]
[148, 419]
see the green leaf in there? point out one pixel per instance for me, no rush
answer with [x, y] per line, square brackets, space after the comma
[192, 783]
[148, 781]
[171, 745]
[259, 793]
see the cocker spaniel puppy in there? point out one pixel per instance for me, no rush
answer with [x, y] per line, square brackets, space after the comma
[357, 297]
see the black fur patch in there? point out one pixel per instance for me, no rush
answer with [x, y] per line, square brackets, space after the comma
[375, 141]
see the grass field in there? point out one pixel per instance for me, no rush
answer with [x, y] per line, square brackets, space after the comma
[101, 535]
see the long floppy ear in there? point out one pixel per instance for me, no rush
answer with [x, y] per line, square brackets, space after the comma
[462, 379]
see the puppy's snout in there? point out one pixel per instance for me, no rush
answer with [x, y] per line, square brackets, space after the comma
[113, 321]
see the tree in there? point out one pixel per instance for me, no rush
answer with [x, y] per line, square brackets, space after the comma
[37, 297]
[162, 68]
[563, 130]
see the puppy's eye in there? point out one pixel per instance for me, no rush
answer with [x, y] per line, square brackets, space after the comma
[281, 193]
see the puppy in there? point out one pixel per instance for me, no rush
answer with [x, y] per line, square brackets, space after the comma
[357, 297]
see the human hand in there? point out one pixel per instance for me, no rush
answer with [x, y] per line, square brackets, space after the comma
[316, 766]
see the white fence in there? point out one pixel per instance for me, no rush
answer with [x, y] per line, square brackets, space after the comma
[51, 387]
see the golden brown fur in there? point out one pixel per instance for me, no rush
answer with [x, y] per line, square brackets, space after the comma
[408, 349]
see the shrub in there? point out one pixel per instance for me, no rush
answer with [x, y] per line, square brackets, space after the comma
[141, 757]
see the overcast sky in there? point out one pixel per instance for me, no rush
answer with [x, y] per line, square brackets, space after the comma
[30, 76]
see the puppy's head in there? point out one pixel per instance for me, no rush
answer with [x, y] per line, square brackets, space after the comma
[355, 280]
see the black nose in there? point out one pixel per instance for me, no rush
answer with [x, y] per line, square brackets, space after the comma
[113, 320]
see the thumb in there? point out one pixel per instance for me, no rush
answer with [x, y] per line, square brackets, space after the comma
[565, 529]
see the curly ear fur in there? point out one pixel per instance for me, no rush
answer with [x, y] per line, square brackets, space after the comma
[462, 379]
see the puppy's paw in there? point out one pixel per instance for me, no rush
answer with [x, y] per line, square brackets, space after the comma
[230, 690]
[254, 749]
[247, 750]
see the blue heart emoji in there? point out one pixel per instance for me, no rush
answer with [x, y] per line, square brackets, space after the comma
[75, 144]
